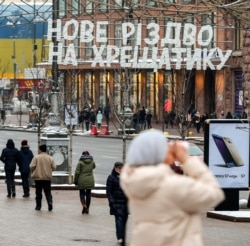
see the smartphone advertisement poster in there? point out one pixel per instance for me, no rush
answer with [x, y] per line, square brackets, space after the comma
[228, 153]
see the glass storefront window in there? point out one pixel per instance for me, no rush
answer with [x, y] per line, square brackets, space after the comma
[152, 92]
[103, 87]
[117, 91]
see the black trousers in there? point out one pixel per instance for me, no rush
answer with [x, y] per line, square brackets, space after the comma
[10, 181]
[25, 183]
[43, 185]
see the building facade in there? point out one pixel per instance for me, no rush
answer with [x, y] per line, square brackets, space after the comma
[143, 53]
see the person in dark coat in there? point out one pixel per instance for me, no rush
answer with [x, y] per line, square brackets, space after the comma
[142, 118]
[9, 157]
[86, 115]
[148, 119]
[106, 113]
[84, 179]
[24, 160]
[117, 202]
[92, 118]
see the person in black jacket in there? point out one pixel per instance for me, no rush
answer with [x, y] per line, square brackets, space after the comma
[117, 202]
[24, 160]
[9, 157]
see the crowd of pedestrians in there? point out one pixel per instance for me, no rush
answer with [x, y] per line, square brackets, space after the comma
[89, 116]
[159, 200]
[40, 167]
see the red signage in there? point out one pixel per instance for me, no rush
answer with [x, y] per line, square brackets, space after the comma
[29, 84]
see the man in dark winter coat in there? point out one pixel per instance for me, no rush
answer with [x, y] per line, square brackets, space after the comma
[9, 157]
[24, 160]
[117, 202]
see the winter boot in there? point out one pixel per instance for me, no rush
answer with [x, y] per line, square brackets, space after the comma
[84, 207]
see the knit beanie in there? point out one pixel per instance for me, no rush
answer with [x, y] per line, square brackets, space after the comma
[24, 143]
[148, 148]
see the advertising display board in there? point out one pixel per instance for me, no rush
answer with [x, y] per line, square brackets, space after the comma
[227, 152]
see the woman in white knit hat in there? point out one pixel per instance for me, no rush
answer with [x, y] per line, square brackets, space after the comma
[165, 207]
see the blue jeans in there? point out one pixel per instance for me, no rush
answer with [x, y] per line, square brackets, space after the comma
[120, 224]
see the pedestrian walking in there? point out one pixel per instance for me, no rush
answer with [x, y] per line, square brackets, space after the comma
[148, 119]
[92, 118]
[41, 167]
[166, 119]
[197, 118]
[142, 118]
[3, 116]
[117, 202]
[106, 113]
[99, 119]
[9, 157]
[86, 115]
[172, 116]
[84, 179]
[24, 159]
[166, 207]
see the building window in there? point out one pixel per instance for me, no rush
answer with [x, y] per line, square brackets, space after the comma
[88, 89]
[135, 90]
[117, 91]
[118, 3]
[171, 34]
[238, 36]
[103, 5]
[103, 89]
[151, 3]
[118, 34]
[188, 1]
[89, 6]
[169, 86]
[152, 92]
[104, 35]
[75, 7]
[188, 19]
[150, 38]
[88, 49]
[76, 43]
[61, 8]
[208, 19]
[135, 3]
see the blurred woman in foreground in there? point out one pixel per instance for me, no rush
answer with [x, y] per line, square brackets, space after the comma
[165, 207]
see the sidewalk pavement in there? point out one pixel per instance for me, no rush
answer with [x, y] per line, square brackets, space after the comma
[22, 225]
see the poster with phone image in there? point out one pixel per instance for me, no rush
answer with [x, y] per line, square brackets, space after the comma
[228, 153]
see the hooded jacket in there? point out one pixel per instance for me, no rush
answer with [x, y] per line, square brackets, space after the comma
[166, 206]
[9, 156]
[24, 159]
[84, 176]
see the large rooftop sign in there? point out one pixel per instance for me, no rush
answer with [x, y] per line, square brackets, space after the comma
[154, 49]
